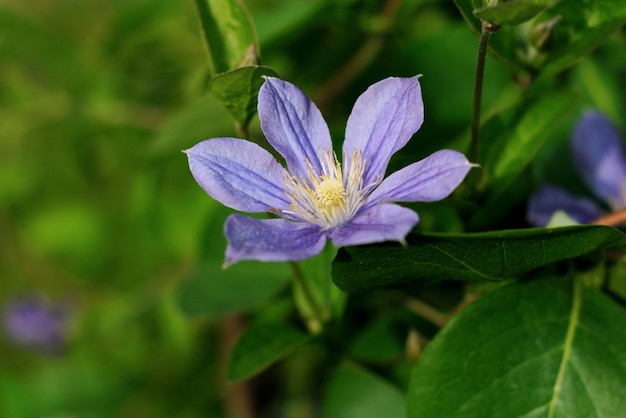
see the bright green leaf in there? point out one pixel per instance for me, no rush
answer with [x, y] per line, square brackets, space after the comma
[546, 348]
[228, 33]
[355, 392]
[238, 89]
[260, 346]
[477, 256]
[511, 12]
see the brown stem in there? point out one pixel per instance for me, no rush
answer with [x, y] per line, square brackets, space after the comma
[427, 312]
[239, 398]
[612, 219]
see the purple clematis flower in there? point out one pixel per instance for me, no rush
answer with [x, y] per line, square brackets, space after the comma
[597, 151]
[36, 323]
[317, 197]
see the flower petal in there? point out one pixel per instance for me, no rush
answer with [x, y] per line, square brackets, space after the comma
[293, 125]
[271, 239]
[549, 199]
[598, 155]
[385, 222]
[382, 121]
[239, 174]
[428, 180]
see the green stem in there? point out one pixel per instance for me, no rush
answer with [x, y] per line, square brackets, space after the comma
[315, 323]
[478, 90]
[242, 130]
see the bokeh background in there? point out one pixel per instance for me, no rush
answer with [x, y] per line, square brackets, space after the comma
[101, 219]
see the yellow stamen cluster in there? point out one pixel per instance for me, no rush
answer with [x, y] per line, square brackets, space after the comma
[332, 197]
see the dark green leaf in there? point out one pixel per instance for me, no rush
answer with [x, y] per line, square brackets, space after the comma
[478, 256]
[260, 346]
[355, 392]
[238, 89]
[511, 12]
[228, 33]
[547, 348]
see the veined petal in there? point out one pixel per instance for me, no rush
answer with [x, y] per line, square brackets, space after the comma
[293, 125]
[598, 155]
[271, 239]
[382, 121]
[428, 180]
[239, 174]
[549, 199]
[385, 222]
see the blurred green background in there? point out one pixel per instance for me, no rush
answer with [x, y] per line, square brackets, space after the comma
[98, 210]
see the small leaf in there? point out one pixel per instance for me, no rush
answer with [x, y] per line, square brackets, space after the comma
[355, 392]
[260, 346]
[474, 257]
[228, 32]
[238, 90]
[511, 12]
[546, 348]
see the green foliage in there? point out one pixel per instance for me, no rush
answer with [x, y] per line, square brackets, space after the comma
[511, 12]
[549, 348]
[228, 34]
[475, 257]
[355, 392]
[510, 149]
[237, 90]
[260, 346]
[557, 38]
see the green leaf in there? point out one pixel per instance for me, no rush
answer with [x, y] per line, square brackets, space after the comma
[474, 257]
[511, 140]
[228, 33]
[511, 12]
[355, 392]
[546, 348]
[260, 346]
[238, 90]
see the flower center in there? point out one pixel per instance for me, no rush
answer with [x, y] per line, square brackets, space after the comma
[331, 197]
[330, 193]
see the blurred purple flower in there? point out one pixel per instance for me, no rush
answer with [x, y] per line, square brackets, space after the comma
[317, 197]
[597, 152]
[36, 323]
